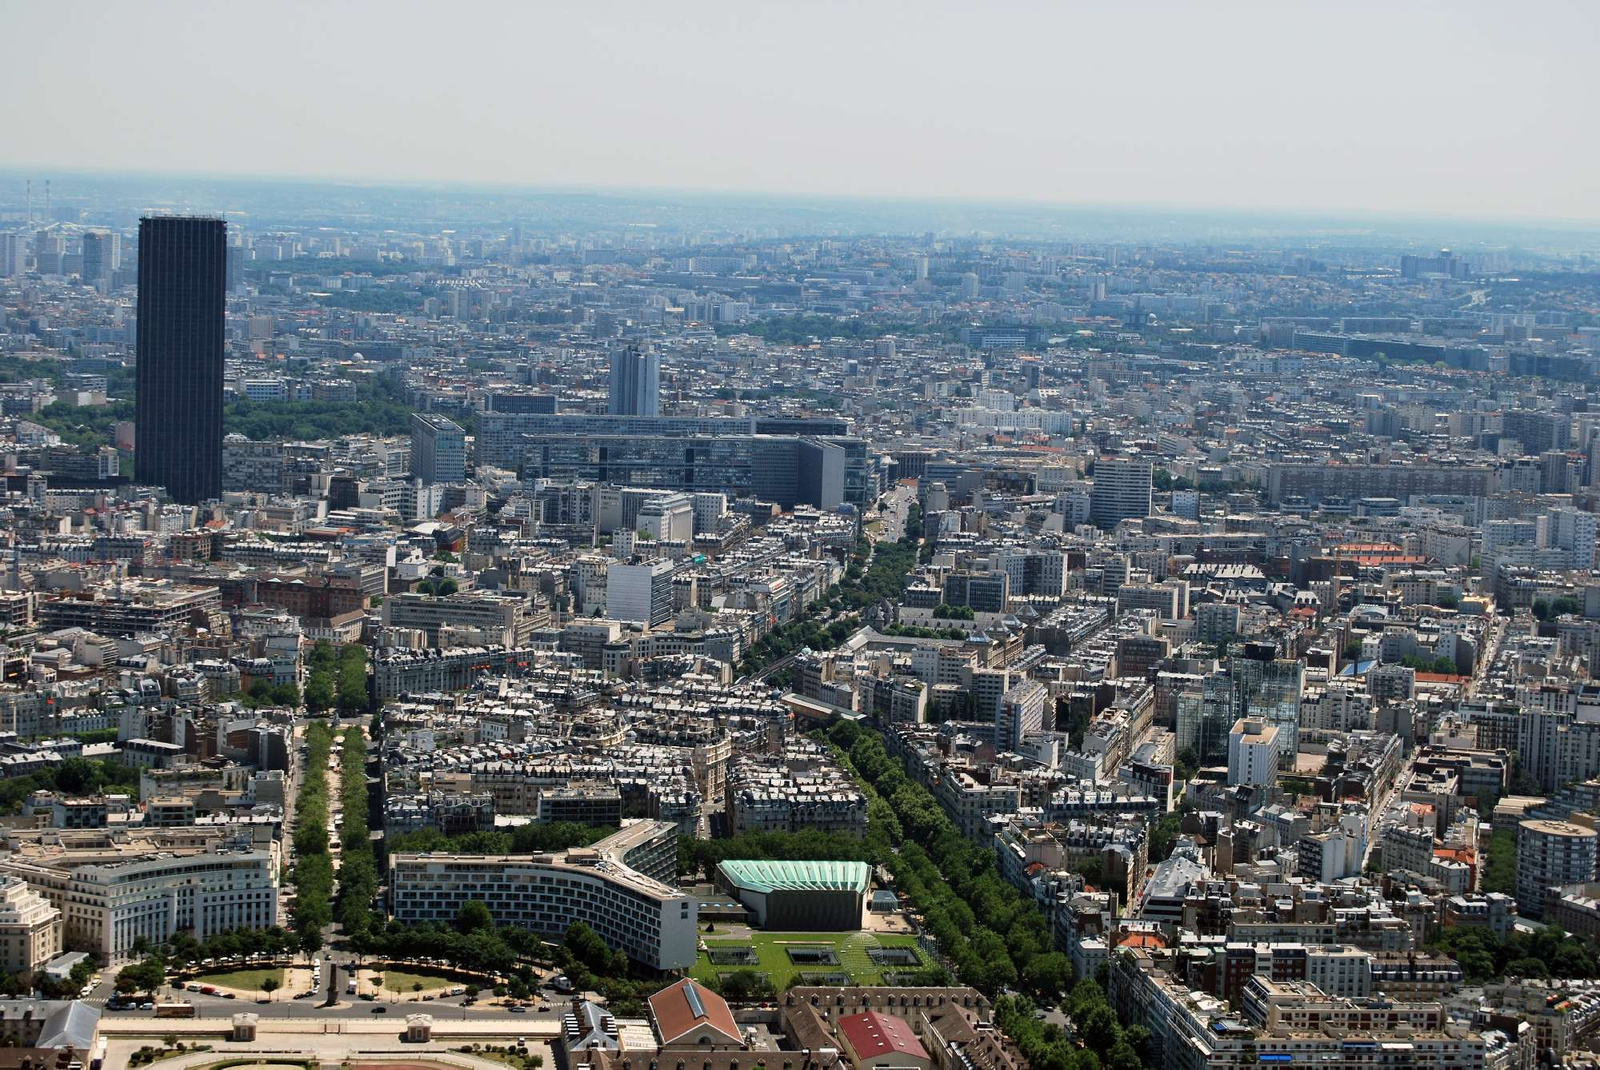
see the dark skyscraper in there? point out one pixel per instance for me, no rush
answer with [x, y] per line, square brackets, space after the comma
[635, 383]
[182, 283]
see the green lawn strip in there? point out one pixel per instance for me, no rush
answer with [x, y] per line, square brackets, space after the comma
[242, 980]
[399, 982]
[773, 956]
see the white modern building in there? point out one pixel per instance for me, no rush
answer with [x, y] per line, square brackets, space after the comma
[1552, 854]
[647, 919]
[30, 928]
[668, 518]
[1123, 488]
[108, 904]
[1021, 713]
[1253, 748]
[640, 593]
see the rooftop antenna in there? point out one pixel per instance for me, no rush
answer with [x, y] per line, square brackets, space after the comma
[29, 220]
[47, 215]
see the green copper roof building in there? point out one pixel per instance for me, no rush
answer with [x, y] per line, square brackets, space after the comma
[799, 896]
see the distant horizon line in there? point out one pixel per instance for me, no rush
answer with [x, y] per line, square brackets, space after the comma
[1191, 210]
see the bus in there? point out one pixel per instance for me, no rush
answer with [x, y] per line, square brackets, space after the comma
[174, 1010]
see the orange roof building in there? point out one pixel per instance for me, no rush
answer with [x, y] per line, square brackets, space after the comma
[689, 1015]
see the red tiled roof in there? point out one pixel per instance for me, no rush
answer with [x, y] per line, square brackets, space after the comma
[675, 1011]
[872, 1034]
[1143, 939]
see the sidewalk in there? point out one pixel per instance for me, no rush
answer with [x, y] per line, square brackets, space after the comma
[271, 1050]
[274, 1031]
[269, 1029]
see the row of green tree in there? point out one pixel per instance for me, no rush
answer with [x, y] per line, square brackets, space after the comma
[358, 864]
[1500, 862]
[1550, 609]
[533, 838]
[313, 865]
[888, 564]
[592, 966]
[913, 523]
[995, 937]
[505, 954]
[336, 678]
[262, 694]
[1548, 952]
[1105, 1043]
[802, 633]
[147, 975]
[22, 984]
[87, 427]
[72, 776]
[913, 631]
[183, 951]
[95, 735]
[873, 573]
[473, 945]
[16, 368]
[380, 408]
[1422, 664]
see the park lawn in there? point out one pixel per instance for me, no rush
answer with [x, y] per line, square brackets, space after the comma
[772, 951]
[242, 980]
[404, 979]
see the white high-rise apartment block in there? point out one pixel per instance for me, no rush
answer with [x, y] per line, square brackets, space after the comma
[1123, 487]
[1574, 530]
[635, 383]
[1552, 854]
[1252, 753]
[13, 254]
[640, 593]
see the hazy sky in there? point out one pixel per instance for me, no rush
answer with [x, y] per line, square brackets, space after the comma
[1470, 108]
